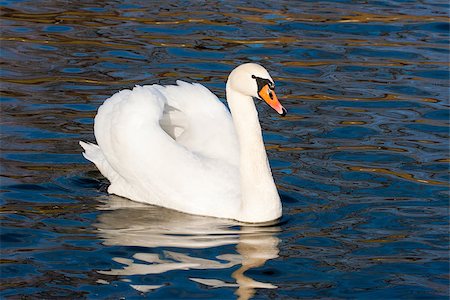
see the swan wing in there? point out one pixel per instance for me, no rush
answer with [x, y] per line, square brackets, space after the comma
[196, 119]
[151, 148]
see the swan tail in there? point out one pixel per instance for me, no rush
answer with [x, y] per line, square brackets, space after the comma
[91, 152]
[118, 186]
[94, 154]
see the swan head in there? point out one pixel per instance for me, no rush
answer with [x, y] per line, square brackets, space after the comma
[253, 80]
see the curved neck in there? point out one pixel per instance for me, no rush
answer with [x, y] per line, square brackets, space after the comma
[260, 201]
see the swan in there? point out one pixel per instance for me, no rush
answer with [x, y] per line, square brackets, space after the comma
[178, 147]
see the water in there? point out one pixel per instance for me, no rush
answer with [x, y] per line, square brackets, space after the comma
[361, 160]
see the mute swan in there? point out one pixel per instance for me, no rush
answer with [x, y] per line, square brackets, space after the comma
[178, 146]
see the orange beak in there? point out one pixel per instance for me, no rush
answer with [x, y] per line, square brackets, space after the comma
[269, 96]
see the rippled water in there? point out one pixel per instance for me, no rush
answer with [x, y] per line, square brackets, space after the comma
[361, 161]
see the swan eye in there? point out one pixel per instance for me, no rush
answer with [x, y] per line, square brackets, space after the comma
[262, 82]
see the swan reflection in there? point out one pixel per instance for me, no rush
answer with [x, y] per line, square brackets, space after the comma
[126, 223]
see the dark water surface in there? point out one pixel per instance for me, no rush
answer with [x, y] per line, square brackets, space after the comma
[361, 161]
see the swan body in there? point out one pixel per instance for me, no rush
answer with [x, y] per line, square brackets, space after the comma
[179, 147]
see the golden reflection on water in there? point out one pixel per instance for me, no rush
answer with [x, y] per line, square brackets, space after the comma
[126, 223]
[352, 122]
[341, 15]
[365, 147]
[65, 79]
[443, 160]
[322, 97]
[386, 239]
[368, 147]
[403, 175]
[65, 41]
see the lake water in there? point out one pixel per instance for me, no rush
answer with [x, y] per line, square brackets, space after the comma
[361, 160]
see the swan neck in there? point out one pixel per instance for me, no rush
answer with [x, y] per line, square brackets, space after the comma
[260, 201]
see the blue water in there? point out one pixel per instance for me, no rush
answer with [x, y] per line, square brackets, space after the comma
[361, 160]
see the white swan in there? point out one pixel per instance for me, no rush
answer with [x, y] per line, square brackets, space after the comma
[179, 147]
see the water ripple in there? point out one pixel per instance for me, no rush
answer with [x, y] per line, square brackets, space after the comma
[361, 161]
